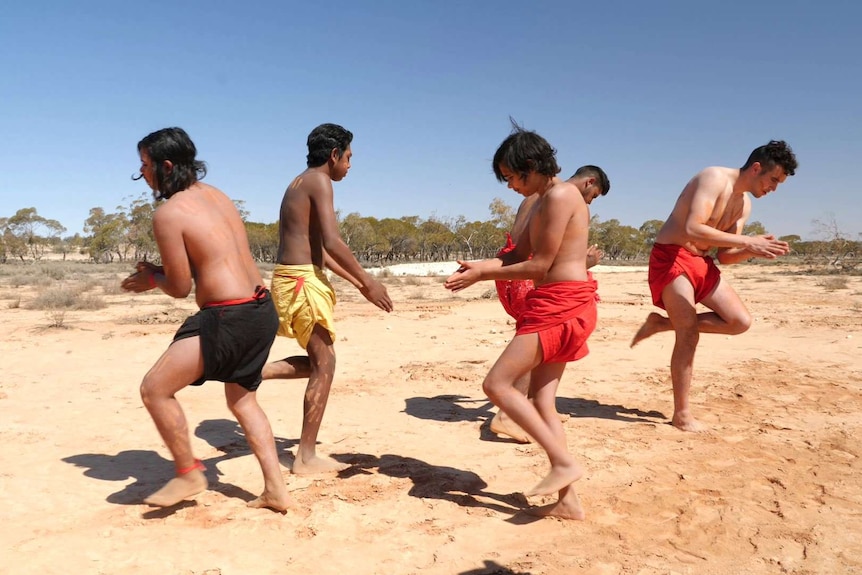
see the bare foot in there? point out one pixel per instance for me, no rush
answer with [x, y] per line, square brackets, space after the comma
[684, 421]
[502, 424]
[277, 501]
[654, 323]
[560, 477]
[316, 465]
[181, 487]
[567, 507]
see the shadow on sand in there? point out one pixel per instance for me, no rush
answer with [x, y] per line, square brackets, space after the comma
[463, 488]
[149, 470]
[493, 568]
[460, 408]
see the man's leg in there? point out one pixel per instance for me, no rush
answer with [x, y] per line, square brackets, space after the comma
[180, 365]
[546, 383]
[521, 355]
[502, 424]
[293, 367]
[321, 353]
[243, 404]
[729, 315]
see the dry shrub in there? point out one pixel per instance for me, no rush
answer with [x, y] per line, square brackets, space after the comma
[833, 283]
[65, 298]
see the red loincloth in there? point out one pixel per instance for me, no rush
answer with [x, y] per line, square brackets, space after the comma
[512, 292]
[564, 316]
[668, 261]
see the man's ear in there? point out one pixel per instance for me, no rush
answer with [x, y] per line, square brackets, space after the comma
[167, 167]
[333, 155]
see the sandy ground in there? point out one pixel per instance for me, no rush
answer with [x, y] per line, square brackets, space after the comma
[774, 487]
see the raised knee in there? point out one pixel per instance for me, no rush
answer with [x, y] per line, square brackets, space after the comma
[147, 390]
[491, 389]
[740, 324]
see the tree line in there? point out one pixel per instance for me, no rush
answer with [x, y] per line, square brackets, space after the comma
[126, 235]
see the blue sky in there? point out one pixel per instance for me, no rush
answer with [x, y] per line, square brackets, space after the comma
[651, 91]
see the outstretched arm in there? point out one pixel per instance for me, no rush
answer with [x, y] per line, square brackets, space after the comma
[337, 251]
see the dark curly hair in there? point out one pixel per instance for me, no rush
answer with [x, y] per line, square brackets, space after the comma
[524, 151]
[775, 153]
[325, 138]
[175, 146]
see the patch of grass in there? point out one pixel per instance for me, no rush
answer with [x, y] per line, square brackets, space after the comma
[833, 283]
[62, 298]
[15, 303]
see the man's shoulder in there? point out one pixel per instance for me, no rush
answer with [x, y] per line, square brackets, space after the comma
[309, 182]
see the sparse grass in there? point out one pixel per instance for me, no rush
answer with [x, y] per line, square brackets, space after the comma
[833, 283]
[111, 286]
[15, 303]
[65, 298]
[489, 294]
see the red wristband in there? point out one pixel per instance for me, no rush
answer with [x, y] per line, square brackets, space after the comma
[153, 280]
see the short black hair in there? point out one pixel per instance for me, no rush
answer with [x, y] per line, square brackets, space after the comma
[590, 171]
[325, 138]
[775, 153]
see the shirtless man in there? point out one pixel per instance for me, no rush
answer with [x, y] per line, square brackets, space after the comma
[310, 240]
[202, 240]
[559, 313]
[592, 182]
[710, 213]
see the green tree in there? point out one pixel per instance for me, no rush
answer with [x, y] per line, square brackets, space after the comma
[263, 241]
[502, 214]
[33, 232]
[754, 228]
[107, 235]
[139, 230]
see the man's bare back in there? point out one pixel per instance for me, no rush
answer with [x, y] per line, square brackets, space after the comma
[203, 222]
[300, 229]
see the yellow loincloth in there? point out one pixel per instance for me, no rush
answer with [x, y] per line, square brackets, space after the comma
[303, 298]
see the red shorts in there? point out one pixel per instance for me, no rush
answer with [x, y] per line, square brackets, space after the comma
[564, 315]
[667, 262]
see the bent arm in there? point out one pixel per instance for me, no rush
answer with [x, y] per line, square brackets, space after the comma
[697, 229]
[176, 277]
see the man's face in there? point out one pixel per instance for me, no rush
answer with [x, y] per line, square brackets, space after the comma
[516, 182]
[342, 165]
[767, 181]
[148, 171]
[591, 191]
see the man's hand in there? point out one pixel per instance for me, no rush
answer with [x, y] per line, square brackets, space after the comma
[464, 277]
[594, 255]
[766, 246]
[143, 279]
[376, 293]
